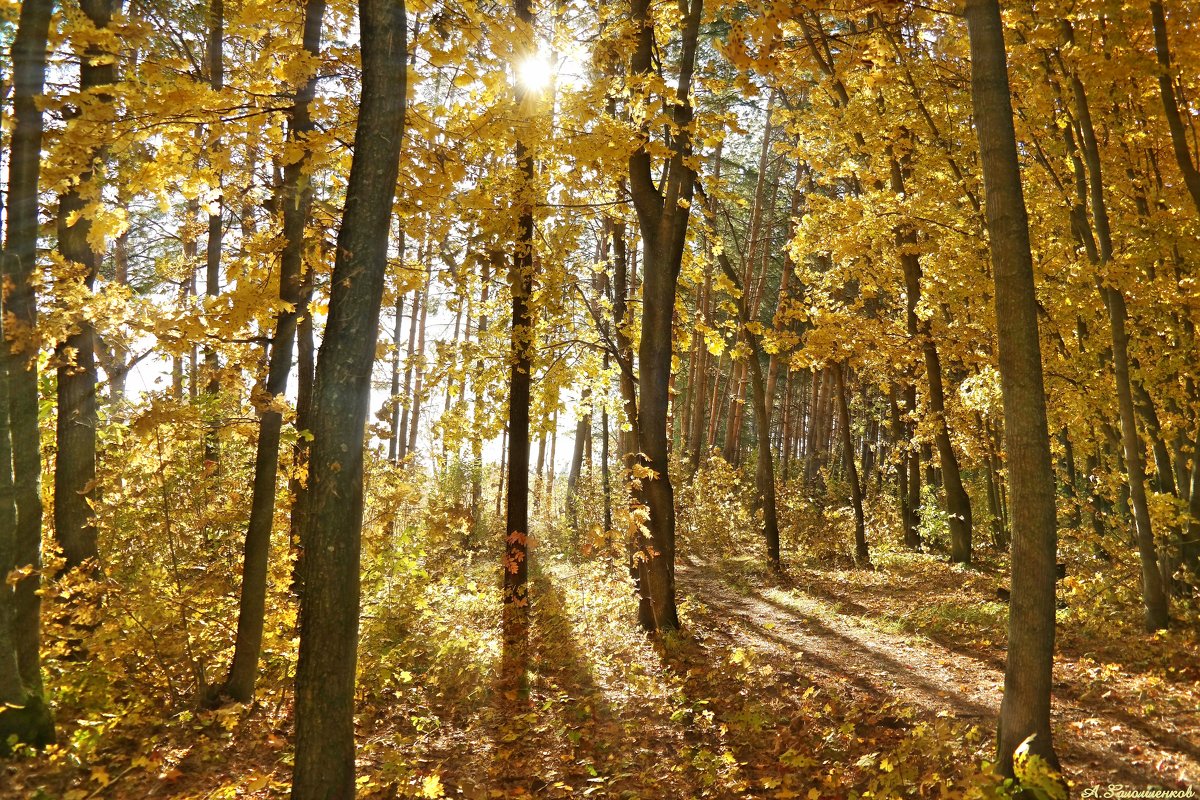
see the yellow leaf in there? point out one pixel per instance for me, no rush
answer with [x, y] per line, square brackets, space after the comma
[431, 788]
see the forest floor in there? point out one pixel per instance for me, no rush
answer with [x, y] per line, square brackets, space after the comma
[819, 683]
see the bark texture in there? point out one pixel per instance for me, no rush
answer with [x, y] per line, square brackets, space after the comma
[324, 761]
[1025, 710]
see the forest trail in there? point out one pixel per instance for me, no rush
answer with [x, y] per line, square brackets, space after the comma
[832, 639]
[823, 684]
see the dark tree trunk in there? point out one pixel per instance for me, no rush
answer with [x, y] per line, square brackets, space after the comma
[714, 406]
[605, 479]
[663, 217]
[521, 345]
[1025, 710]
[503, 471]
[699, 381]
[295, 197]
[784, 281]
[480, 397]
[908, 520]
[587, 456]
[305, 376]
[75, 432]
[419, 367]
[815, 422]
[1179, 131]
[405, 393]
[329, 605]
[20, 364]
[394, 411]
[912, 537]
[958, 504]
[583, 432]
[539, 470]
[862, 556]
[992, 474]
[216, 232]
[1190, 546]
[764, 473]
[628, 387]
[1154, 597]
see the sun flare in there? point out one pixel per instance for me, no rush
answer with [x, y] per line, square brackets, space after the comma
[535, 73]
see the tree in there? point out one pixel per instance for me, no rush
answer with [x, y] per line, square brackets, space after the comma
[329, 605]
[1025, 710]
[764, 463]
[663, 219]
[520, 282]
[862, 555]
[75, 464]
[1153, 595]
[295, 196]
[25, 714]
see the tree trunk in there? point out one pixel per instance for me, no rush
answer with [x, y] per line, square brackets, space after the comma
[419, 367]
[329, 605]
[737, 407]
[913, 537]
[480, 397]
[521, 344]
[699, 391]
[958, 504]
[605, 479]
[628, 386]
[405, 394]
[714, 407]
[583, 431]
[1153, 595]
[75, 432]
[394, 411]
[992, 475]
[295, 197]
[765, 465]
[20, 364]
[216, 233]
[862, 556]
[663, 217]
[1154, 598]
[23, 713]
[538, 471]
[305, 376]
[1025, 710]
[908, 520]
[1179, 131]
[502, 473]
[553, 454]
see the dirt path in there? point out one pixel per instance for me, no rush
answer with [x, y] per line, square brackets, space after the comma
[1099, 743]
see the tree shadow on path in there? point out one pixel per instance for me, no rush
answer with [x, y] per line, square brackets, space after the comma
[557, 732]
[933, 678]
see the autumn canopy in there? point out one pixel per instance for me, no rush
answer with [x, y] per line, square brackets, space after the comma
[635, 399]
